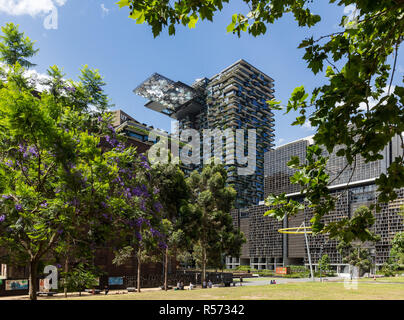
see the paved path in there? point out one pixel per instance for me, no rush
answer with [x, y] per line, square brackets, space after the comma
[285, 280]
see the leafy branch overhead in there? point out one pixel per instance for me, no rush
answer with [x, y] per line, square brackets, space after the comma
[358, 110]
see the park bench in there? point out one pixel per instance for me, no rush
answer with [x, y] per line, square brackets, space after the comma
[131, 289]
[93, 291]
[47, 294]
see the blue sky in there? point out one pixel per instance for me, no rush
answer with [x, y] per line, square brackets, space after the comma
[100, 34]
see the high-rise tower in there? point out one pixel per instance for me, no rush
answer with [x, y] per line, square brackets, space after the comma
[233, 99]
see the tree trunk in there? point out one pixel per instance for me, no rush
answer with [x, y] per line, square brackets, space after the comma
[166, 270]
[66, 271]
[33, 279]
[203, 263]
[138, 270]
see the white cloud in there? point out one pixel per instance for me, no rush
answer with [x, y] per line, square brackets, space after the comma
[349, 9]
[281, 140]
[105, 10]
[373, 102]
[308, 126]
[352, 15]
[400, 69]
[36, 78]
[30, 7]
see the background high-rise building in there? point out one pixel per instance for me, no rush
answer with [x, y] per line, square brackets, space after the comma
[235, 98]
[266, 248]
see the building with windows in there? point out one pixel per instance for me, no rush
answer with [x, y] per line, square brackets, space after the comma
[266, 248]
[137, 133]
[234, 99]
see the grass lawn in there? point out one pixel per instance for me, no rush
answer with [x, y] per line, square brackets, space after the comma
[290, 291]
[387, 279]
[255, 279]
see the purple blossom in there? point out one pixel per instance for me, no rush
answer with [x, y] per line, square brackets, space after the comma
[4, 196]
[120, 147]
[111, 141]
[33, 151]
[22, 148]
[155, 233]
[99, 119]
[162, 245]
[156, 190]
[142, 205]
[44, 205]
[138, 236]
[157, 206]
[9, 163]
[137, 191]
[141, 221]
[18, 207]
[110, 127]
[145, 165]
[59, 266]
[60, 231]
[2, 218]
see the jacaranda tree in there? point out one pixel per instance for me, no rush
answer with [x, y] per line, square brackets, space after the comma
[65, 177]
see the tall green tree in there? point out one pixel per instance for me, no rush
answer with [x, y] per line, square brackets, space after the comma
[360, 106]
[324, 263]
[16, 47]
[397, 248]
[213, 199]
[356, 256]
[174, 195]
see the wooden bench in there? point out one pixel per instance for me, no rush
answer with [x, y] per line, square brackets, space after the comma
[47, 294]
[93, 291]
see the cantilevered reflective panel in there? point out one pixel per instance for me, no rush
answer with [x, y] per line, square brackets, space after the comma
[164, 94]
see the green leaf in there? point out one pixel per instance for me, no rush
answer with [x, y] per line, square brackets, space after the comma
[139, 16]
[171, 29]
[193, 19]
[269, 212]
[123, 3]
[230, 27]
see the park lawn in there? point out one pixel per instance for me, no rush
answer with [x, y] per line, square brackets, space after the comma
[255, 279]
[385, 279]
[290, 291]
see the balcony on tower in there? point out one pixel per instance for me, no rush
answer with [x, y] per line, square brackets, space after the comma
[175, 99]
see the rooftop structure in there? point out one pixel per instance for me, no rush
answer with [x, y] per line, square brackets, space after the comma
[233, 99]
